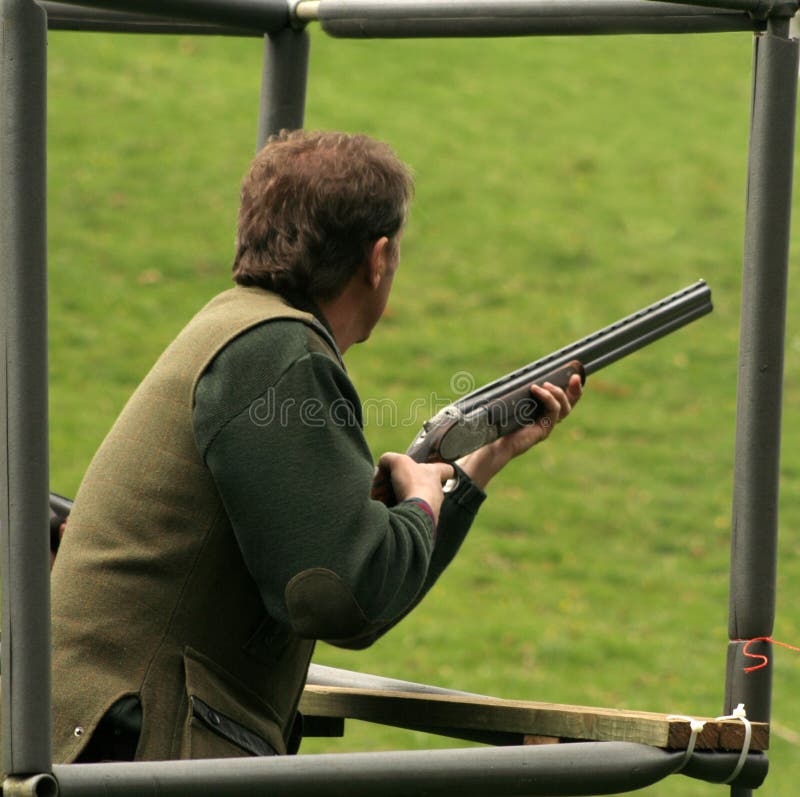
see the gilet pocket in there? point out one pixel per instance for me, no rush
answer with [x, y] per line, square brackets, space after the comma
[224, 718]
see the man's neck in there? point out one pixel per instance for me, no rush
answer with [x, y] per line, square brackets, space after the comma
[302, 302]
[343, 319]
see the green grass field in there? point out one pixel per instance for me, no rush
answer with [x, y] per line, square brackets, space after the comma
[561, 183]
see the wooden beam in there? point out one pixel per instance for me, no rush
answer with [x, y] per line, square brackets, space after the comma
[409, 709]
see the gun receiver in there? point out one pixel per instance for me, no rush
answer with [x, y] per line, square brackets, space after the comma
[506, 404]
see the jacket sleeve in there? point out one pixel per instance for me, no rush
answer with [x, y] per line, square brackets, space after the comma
[294, 473]
[455, 519]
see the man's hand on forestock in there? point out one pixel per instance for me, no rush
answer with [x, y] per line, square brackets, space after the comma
[483, 464]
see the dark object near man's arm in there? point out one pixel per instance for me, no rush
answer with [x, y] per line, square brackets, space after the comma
[59, 511]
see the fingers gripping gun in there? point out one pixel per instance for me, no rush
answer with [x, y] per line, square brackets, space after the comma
[506, 404]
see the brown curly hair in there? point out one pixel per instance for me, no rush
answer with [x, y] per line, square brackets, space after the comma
[312, 205]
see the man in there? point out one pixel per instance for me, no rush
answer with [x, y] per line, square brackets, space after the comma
[226, 522]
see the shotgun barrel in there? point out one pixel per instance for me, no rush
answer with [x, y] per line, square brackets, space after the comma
[505, 404]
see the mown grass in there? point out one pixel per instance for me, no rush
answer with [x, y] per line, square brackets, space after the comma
[560, 185]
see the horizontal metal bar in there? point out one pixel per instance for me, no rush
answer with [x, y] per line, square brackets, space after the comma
[264, 16]
[458, 18]
[61, 16]
[568, 769]
[412, 18]
[758, 8]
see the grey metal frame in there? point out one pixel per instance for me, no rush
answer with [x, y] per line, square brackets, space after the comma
[264, 16]
[570, 769]
[399, 18]
[24, 483]
[754, 537]
[61, 16]
[24, 566]
[283, 86]
[447, 18]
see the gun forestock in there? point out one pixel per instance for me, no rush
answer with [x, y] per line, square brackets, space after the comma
[452, 433]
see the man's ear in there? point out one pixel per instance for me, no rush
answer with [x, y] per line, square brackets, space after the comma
[376, 263]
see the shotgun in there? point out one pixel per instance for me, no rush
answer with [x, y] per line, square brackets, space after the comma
[506, 404]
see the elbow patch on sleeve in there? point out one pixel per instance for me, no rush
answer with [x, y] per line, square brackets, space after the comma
[322, 606]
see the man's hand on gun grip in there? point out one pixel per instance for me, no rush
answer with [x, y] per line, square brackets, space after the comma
[411, 479]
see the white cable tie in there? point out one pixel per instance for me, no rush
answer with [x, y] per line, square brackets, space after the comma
[739, 713]
[696, 726]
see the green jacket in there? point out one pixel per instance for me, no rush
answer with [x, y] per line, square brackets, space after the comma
[159, 593]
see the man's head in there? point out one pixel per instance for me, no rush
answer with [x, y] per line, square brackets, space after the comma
[312, 207]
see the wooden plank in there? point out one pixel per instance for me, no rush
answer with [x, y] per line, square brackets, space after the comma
[527, 718]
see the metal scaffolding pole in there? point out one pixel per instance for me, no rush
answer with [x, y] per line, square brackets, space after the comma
[581, 768]
[283, 86]
[761, 348]
[452, 18]
[760, 8]
[261, 15]
[24, 490]
[61, 16]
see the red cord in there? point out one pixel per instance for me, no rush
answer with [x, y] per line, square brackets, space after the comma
[764, 660]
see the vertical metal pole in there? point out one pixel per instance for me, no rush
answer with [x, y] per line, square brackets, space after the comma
[24, 478]
[761, 347]
[23, 381]
[283, 87]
